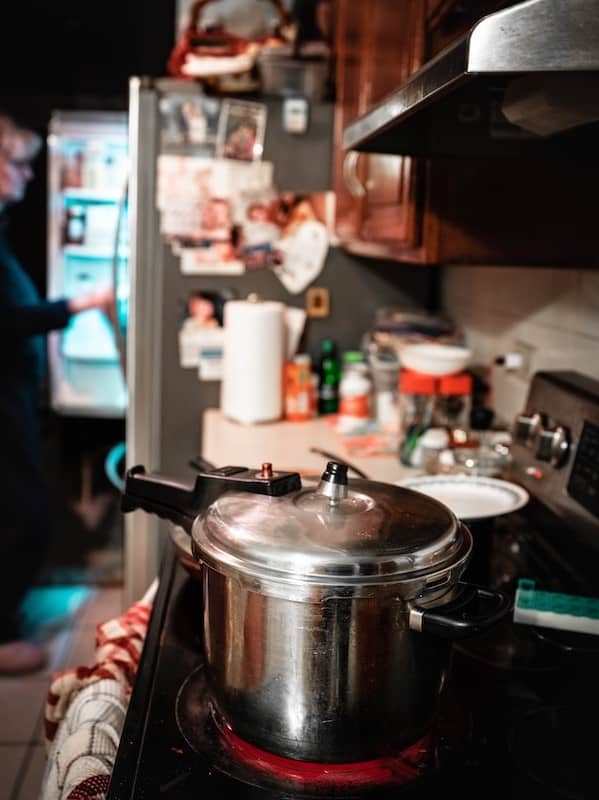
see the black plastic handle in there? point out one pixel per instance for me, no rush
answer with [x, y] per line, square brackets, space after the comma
[181, 503]
[474, 610]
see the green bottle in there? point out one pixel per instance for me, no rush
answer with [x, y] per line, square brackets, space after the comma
[329, 375]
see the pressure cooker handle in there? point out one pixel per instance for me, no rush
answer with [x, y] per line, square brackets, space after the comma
[474, 610]
[181, 503]
[159, 495]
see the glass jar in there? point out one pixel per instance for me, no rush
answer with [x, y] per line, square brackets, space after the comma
[384, 367]
[417, 398]
[328, 378]
[454, 402]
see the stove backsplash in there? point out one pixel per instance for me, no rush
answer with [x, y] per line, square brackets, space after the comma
[553, 311]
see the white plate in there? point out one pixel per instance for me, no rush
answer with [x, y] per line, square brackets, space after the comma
[470, 496]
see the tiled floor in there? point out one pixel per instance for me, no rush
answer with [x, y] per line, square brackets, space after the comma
[22, 751]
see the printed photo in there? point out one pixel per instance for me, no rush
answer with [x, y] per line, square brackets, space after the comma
[289, 233]
[201, 335]
[190, 120]
[199, 200]
[241, 131]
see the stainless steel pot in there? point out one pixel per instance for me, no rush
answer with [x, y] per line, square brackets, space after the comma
[328, 610]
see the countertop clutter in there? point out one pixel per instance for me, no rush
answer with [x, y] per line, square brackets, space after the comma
[288, 446]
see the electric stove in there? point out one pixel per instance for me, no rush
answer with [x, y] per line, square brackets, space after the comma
[517, 714]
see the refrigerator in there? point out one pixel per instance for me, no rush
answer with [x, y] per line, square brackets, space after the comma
[88, 244]
[166, 398]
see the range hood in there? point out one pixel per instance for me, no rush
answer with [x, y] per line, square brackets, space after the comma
[522, 81]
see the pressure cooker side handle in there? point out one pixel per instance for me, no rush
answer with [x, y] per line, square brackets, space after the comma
[474, 610]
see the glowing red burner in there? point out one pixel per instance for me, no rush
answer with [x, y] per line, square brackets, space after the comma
[402, 768]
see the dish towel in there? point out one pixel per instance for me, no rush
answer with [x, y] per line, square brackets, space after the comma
[86, 708]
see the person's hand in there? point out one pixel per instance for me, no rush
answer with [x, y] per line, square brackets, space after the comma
[98, 298]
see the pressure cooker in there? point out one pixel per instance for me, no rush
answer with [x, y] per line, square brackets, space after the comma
[329, 608]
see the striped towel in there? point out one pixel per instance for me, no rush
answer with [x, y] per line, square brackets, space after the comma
[86, 707]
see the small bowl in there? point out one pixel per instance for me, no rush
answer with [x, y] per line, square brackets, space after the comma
[435, 359]
[485, 461]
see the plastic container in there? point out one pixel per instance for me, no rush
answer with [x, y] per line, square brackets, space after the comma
[285, 75]
[355, 392]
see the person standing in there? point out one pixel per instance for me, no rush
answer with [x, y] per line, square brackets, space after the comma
[25, 318]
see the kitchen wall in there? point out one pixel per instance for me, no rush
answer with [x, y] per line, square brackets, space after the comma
[358, 287]
[553, 311]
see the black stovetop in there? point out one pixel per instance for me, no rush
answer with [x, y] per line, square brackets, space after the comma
[517, 718]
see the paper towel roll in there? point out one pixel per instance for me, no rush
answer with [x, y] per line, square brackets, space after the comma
[254, 351]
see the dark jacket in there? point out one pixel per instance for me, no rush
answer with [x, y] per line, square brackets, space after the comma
[24, 319]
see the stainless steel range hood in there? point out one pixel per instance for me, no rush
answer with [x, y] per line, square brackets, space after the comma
[524, 80]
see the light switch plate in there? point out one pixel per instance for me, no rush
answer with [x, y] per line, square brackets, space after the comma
[296, 114]
[318, 302]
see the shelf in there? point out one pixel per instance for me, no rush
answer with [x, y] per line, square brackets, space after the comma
[83, 251]
[90, 337]
[91, 410]
[91, 195]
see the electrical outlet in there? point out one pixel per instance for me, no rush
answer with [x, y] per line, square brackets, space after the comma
[526, 351]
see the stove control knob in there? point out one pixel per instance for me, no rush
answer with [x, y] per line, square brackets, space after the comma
[554, 445]
[528, 426]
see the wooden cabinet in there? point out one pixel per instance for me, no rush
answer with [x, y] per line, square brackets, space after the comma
[517, 211]
[379, 44]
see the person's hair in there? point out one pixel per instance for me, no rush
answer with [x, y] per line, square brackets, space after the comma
[10, 128]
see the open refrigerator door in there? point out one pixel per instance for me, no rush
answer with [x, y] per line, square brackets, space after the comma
[88, 249]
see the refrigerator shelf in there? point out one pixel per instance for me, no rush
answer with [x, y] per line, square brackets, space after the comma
[81, 194]
[91, 253]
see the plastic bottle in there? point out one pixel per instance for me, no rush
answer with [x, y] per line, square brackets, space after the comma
[355, 392]
[329, 374]
[297, 388]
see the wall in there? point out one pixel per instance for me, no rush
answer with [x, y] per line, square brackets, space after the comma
[556, 311]
[358, 287]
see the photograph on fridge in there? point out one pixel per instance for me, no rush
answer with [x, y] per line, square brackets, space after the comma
[241, 130]
[201, 334]
[189, 120]
[199, 199]
[287, 232]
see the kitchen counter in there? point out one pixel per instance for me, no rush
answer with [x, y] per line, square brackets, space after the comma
[287, 445]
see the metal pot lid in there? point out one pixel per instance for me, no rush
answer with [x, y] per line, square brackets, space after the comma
[336, 532]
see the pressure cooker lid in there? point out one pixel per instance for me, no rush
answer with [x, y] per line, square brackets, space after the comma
[334, 532]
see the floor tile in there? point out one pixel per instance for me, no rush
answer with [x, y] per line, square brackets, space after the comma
[82, 650]
[11, 759]
[104, 605]
[21, 704]
[30, 780]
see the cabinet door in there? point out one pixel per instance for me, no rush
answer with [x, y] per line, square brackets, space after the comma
[380, 44]
[350, 103]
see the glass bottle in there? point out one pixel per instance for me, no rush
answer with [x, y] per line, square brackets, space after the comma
[329, 375]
